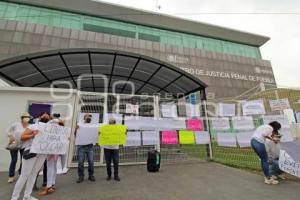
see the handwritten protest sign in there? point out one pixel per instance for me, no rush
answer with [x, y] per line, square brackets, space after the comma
[112, 135]
[195, 124]
[169, 137]
[51, 139]
[288, 164]
[87, 134]
[132, 109]
[186, 137]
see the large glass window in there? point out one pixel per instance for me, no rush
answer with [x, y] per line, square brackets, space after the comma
[58, 18]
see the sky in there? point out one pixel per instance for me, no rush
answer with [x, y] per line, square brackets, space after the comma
[277, 19]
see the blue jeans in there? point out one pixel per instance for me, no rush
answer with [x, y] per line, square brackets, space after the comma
[14, 160]
[87, 150]
[260, 150]
[274, 168]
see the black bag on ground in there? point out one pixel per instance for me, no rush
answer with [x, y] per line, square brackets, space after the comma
[153, 161]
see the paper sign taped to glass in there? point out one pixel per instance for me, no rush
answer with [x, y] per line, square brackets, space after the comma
[112, 135]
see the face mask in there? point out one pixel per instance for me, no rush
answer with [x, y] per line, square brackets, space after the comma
[26, 120]
[88, 120]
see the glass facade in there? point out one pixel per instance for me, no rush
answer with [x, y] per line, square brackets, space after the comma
[50, 17]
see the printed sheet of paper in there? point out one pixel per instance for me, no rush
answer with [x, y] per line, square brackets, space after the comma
[202, 137]
[226, 110]
[220, 124]
[282, 119]
[192, 110]
[150, 137]
[243, 123]
[255, 107]
[133, 139]
[244, 138]
[169, 110]
[226, 139]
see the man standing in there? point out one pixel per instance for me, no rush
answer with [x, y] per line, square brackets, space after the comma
[87, 150]
[111, 153]
[273, 151]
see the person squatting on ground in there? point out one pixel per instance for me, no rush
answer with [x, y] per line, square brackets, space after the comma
[15, 146]
[31, 163]
[258, 144]
[85, 150]
[273, 150]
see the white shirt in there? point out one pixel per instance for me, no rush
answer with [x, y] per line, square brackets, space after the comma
[34, 127]
[261, 132]
[273, 150]
[111, 147]
[16, 130]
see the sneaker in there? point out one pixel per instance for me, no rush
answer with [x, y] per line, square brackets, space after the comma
[274, 177]
[108, 178]
[117, 178]
[32, 198]
[274, 182]
[267, 181]
[11, 179]
[80, 180]
[92, 178]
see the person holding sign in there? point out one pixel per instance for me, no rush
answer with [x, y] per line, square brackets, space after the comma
[85, 150]
[31, 162]
[258, 144]
[51, 167]
[111, 153]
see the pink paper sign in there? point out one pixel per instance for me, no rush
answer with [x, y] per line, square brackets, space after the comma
[195, 124]
[169, 137]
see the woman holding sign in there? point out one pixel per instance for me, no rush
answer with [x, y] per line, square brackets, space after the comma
[258, 144]
[32, 163]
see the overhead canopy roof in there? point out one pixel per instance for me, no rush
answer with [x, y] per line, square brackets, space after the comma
[148, 75]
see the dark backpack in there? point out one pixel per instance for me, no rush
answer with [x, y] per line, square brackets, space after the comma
[153, 161]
